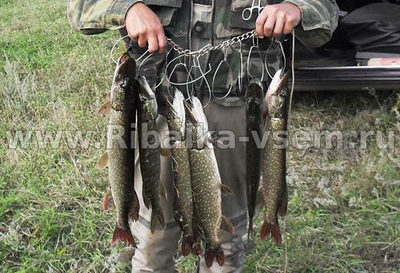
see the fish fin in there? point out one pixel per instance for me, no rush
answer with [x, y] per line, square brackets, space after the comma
[103, 161]
[284, 205]
[156, 217]
[163, 191]
[269, 229]
[146, 199]
[250, 231]
[214, 139]
[226, 189]
[107, 199]
[105, 108]
[165, 152]
[259, 201]
[214, 252]
[123, 235]
[187, 245]
[197, 249]
[228, 224]
[134, 214]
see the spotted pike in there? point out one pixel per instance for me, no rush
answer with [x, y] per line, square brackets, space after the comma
[120, 154]
[274, 189]
[183, 199]
[149, 152]
[206, 185]
[254, 125]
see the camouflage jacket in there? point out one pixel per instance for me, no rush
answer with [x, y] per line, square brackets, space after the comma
[319, 20]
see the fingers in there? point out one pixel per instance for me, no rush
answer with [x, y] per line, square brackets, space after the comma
[290, 24]
[142, 41]
[278, 19]
[269, 25]
[262, 18]
[162, 42]
[279, 24]
[155, 41]
[152, 44]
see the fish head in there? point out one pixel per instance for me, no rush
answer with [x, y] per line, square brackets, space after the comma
[255, 91]
[176, 114]
[276, 106]
[148, 101]
[124, 77]
[200, 134]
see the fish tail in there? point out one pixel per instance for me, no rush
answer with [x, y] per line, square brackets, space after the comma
[123, 235]
[214, 252]
[284, 205]
[269, 229]
[156, 217]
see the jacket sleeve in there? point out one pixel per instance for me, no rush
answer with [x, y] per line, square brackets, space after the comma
[319, 21]
[97, 16]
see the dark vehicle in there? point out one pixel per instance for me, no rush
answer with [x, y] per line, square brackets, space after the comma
[364, 52]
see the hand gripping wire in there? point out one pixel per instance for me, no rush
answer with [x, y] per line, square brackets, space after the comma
[223, 61]
[267, 54]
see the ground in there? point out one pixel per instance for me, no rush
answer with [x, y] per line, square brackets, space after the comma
[344, 203]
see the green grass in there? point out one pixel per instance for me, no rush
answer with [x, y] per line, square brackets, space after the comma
[344, 207]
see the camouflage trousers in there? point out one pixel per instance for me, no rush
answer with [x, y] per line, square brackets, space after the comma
[155, 252]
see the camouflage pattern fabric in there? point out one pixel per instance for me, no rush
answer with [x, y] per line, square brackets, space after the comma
[319, 17]
[319, 20]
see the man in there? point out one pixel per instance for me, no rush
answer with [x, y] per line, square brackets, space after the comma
[194, 24]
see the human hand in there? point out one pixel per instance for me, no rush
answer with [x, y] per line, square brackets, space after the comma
[145, 27]
[278, 19]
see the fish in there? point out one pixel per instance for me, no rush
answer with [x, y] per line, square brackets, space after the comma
[206, 185]
[254, 99]
[120, 154]
[183, 199]
[274, 193]
[149, 153]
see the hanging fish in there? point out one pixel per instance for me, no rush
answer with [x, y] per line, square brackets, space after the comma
[206, 185]
[274, 189]
[183, 199]
[120, 155]
[150, 155]
[254, 125]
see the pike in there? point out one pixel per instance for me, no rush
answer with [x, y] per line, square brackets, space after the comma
[149, 155]
[274, 189]
[206, 185]
[120, 155]
[183, 199]
[254, 109]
